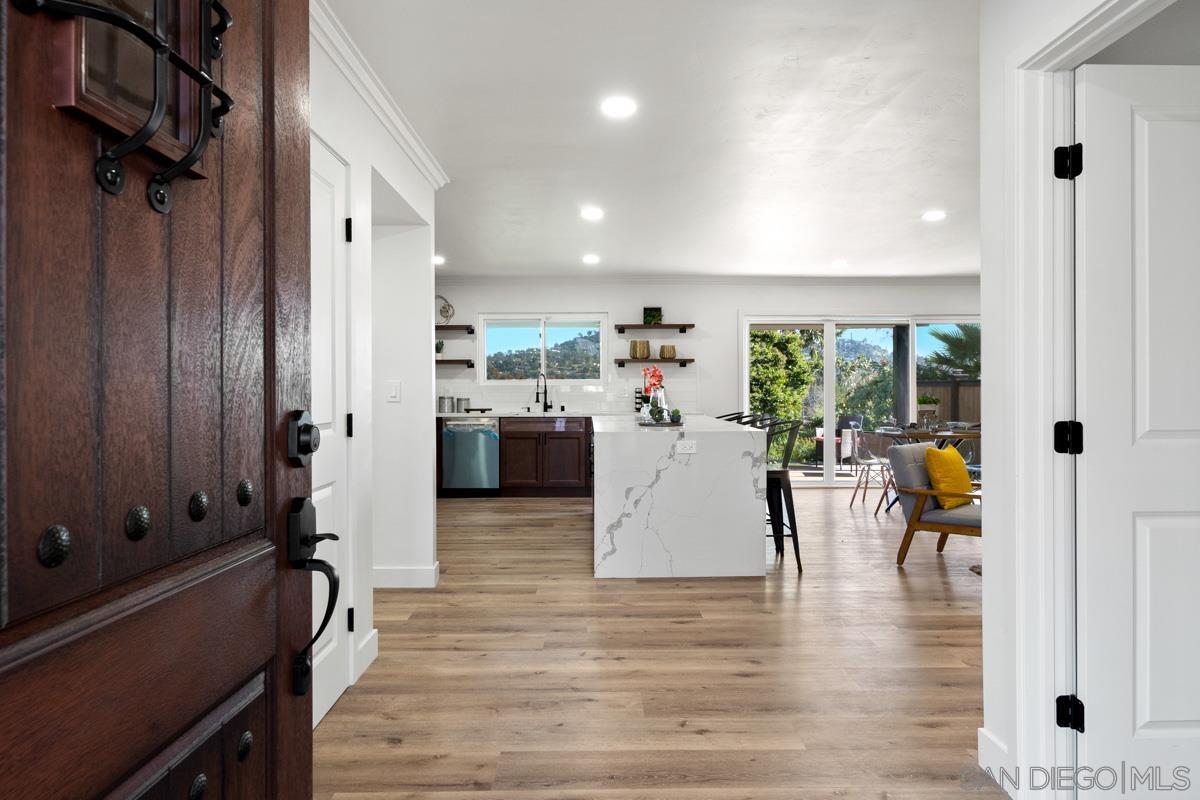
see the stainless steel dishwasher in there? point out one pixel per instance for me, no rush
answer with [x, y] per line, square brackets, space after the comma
[471, 453]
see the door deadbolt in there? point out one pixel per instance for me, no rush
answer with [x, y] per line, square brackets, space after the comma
[304, 438]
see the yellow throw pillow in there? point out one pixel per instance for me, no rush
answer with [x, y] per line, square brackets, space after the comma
[948, 473]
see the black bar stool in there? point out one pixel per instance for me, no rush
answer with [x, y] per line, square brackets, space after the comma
[779, 486]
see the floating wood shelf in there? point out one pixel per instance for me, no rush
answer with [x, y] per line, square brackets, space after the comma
[467, 329]
[682, 327]
[683, 362]
[469, 363]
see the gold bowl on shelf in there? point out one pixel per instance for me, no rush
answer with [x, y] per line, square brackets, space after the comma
[667, 351]
[639, 349]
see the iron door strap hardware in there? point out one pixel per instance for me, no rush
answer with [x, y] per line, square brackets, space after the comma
[304, 438]
[302, 550]
[110, 172]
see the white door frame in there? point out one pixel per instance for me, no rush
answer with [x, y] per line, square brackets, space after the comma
[1039, 319]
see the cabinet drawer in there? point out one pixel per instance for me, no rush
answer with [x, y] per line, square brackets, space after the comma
[544, 424]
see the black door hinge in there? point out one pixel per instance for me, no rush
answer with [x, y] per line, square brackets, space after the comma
[350, 620]
[349, 229]
[1068, 437]
[1068, 161]
[1069, 712]
[349, 426]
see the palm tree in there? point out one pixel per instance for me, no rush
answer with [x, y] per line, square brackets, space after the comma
[959, 355]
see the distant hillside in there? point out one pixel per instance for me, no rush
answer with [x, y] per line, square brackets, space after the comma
[574, 359]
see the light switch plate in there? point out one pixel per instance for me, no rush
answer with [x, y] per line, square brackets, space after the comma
[685, 446]
[393, 391]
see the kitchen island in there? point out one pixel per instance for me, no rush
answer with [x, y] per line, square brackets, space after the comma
[678, 502]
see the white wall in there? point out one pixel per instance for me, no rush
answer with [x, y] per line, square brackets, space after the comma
[713, 384]
[1018, 726]
[351, 114]
[405, 513]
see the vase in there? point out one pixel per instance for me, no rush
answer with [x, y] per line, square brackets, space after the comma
[667, 352]
[639, 349]
[658, 397]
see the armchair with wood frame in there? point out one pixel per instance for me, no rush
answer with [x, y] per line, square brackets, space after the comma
[922, 510]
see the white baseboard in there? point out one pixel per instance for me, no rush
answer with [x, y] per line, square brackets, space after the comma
[365, 654]
[407, 577]
[993, 757]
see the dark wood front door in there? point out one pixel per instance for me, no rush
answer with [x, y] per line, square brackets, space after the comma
[148, 614]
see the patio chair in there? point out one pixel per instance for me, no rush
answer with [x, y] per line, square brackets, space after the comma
[922, 510]
[872, 469]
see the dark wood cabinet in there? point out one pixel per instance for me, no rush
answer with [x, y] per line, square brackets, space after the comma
[564, 459]
[549, 453]
[520, 459]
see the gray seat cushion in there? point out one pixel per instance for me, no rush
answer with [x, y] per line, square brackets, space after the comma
[971, 516]
[908, 467]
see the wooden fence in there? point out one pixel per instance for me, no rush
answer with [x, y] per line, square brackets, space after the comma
[959, 400]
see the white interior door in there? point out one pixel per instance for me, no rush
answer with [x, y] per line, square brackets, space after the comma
[331, 653]
[1138, 334]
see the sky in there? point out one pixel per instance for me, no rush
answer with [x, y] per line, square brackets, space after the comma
[882, 337]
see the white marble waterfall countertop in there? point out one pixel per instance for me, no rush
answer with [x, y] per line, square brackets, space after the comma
[678, 502]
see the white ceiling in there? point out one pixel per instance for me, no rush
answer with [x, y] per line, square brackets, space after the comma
[774, 137]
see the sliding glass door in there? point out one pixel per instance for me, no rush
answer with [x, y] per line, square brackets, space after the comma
[789, 364]
[787, 381]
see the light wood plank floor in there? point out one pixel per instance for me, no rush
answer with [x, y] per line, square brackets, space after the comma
[521, 677]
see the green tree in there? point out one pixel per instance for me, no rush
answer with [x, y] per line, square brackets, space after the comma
[959, 353]
[866, 386]
[781, 372]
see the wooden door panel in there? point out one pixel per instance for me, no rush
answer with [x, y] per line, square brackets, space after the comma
[134, 375]
[202, 765]
[71, 698]
[564, 460]
[196, 358]
[52, 333]
[243, 254]
[245, 757]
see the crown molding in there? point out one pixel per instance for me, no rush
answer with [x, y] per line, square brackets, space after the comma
[329, 34]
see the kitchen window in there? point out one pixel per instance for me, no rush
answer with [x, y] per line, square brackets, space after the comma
[564, 347]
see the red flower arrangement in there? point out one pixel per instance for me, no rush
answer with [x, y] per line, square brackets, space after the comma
[653, 377]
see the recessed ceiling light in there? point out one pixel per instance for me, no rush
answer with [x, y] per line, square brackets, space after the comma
[934, 215]
[592, 213]
[618, 107]
[439, 260]
[840, 263]
[591, 259]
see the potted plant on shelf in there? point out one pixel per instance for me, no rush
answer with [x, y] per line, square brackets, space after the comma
[438, 347]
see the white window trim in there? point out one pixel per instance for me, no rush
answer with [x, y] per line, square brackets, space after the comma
[543, 319]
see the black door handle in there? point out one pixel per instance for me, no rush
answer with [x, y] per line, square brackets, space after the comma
[302, 663]
[302, 550]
